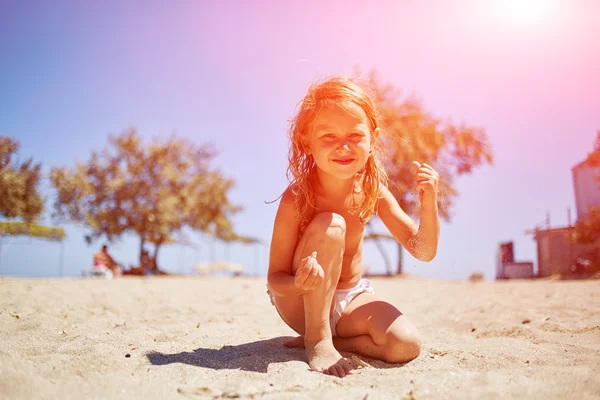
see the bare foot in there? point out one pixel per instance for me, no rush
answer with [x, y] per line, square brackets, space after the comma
[295, 342]
[323, 357]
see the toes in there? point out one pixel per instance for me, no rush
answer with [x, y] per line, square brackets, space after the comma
[348, 369]
[333, 371]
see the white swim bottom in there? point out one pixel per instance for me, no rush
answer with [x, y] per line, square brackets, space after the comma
[341, 299]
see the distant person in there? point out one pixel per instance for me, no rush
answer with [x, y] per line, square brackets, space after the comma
[103, 259]
[143, 268]
[337, 183]
[147, 266]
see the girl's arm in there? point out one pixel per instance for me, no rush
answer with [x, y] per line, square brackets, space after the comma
[286, 230]
[422, 241]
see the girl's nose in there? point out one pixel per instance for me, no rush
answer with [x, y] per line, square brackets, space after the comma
[342, 147]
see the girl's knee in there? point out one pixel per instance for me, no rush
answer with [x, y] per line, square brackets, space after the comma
[402, 347]
[329, 225]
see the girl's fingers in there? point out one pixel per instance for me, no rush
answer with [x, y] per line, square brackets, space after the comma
[312, 278]
[425, 168]
[320, 276]
[424, 184]
[425, 165]
[302, 274]
[415, 166]
[306, 271]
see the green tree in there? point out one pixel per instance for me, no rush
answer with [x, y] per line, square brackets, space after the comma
[153, 191]
[20, 200]
[19, 182]
[411, 133]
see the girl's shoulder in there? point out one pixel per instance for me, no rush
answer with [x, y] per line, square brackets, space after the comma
[290, 194]
[383, 195]
[290, 197]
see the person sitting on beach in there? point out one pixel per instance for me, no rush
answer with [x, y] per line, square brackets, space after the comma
[103, 260]
[147, 263]
[150, 266]
[315, 270]
[146, 267]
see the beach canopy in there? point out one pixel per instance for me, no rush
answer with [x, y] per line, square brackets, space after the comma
[14, 228]
[33, 230]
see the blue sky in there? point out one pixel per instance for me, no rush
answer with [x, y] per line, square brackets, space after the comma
[231, 74]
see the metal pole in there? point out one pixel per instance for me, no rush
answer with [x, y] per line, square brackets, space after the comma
[61, 259]
[571, 261]
[181, 250]
[212, 250]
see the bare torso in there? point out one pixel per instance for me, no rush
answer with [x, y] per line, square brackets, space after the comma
[100, 259]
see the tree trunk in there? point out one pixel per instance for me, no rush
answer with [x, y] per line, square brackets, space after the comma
[61, 258]
[400, 250]
[142, 243]
[212, 250]
[155, 257]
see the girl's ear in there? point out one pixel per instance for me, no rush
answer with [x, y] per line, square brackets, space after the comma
[374, 137]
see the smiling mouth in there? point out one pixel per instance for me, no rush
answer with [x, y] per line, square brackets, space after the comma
[344, 161]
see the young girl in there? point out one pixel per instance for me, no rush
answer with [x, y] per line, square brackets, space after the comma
[315, 266]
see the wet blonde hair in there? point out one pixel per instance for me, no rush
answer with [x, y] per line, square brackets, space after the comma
[301, 166]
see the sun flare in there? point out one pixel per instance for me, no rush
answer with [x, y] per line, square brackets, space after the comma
[528, 12]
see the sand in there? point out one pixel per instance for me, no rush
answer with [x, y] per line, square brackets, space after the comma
[194, 337]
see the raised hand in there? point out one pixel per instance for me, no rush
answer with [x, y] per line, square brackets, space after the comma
[309, 274]
[427, 180]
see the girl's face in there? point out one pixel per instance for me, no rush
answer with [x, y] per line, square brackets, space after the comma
[340, 139]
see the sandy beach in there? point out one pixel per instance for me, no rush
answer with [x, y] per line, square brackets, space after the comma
[198, 337]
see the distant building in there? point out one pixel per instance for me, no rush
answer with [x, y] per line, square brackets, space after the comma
[505, 255]
[518, 270]
[558, 254]
[507, 268]
[587, 187]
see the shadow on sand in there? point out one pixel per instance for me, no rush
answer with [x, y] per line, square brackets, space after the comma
[253, 356]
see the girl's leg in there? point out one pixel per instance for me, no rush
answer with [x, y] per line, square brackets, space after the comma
[376, 329]
[309, 314]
